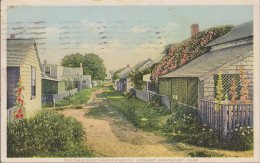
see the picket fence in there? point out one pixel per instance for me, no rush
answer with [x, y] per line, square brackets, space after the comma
[225, 117]
[58, 97]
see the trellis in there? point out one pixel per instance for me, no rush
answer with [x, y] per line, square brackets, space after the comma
[227, 83]
[182, 90]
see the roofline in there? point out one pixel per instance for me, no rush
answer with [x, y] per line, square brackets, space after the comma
[35, 47]
[226, 65]
[220, 68]
[230, 41]
[51, 79]
[37, 54]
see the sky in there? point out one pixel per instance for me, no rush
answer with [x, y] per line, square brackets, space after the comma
[120, 35]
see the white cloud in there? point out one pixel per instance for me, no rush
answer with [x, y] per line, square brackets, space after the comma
[140, 29]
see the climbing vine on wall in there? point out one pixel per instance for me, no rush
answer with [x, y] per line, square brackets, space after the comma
[190, 49]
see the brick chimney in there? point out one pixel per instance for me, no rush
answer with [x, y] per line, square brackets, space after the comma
[80, 65]
[12, 36]
[45, 62]
[194, 29]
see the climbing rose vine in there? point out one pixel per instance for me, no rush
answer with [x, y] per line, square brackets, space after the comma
[188, 50]
[19, 100]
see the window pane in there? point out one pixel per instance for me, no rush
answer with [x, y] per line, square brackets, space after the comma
[33, 81]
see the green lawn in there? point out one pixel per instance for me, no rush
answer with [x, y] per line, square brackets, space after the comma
[142, 115]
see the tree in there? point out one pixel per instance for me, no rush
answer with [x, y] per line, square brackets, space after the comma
[115, 77]
[72, 60]
[137, 77]
[92, 64]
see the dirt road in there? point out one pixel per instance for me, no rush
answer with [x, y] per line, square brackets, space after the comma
[112, 136]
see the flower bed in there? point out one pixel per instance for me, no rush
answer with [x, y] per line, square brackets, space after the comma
[190, 49]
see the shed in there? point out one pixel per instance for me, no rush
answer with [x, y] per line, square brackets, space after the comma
[86, 81]
[197, 79]
[23, 60]
[51, 85]
[124, 82]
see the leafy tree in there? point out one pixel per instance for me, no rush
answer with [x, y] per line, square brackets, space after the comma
[72, 60]
[92, 64]
[137, 78]
[115, 77]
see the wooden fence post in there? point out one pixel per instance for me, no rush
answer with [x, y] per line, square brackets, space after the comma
[225, 121]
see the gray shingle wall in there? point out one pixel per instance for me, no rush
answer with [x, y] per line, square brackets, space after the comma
[248, 65]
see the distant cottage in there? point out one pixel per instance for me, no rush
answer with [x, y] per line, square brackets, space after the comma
[23, 59]
[73, 74]
[123, 84]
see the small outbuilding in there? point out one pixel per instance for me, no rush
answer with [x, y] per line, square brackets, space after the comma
[86, 81]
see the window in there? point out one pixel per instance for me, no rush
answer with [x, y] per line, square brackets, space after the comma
[33, 81]
[47, 70]
[175, 85]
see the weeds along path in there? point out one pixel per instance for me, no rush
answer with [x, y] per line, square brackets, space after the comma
[110, 135]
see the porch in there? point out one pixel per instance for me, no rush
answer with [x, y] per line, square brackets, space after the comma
[225, 117]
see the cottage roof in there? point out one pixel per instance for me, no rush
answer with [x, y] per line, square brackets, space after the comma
[237, 32]
[124, 73]
[141, 64]
[72, 71]
[211, 61]
[17, 50]
[45, 77]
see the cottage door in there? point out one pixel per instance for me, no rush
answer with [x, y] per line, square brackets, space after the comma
[12, 80]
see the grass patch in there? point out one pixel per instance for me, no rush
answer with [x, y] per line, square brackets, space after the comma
[120, 123]
[138, 112]
[76, 99]
[47, 134]
[97, 111]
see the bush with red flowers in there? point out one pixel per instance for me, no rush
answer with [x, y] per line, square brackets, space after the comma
[19, 100]
[244, 91]
[188, 50]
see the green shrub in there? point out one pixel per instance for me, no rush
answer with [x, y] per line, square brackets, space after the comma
[46, 134]
[241, 139]
[205, 154]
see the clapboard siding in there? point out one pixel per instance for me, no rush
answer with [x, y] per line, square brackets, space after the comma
[246, 63]
[32, 104]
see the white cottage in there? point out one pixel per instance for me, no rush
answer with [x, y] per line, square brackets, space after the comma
[23, 60]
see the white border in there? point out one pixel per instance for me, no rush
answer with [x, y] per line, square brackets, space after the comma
[5, 3]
